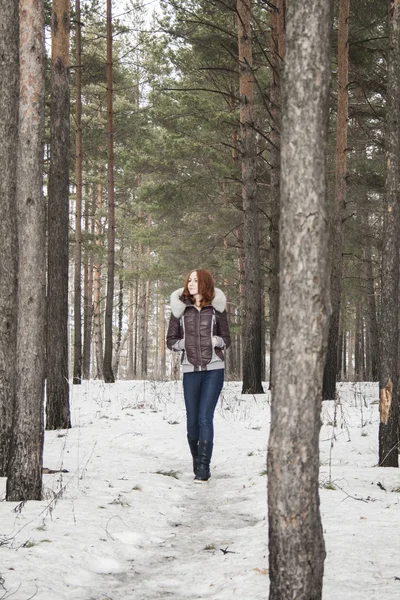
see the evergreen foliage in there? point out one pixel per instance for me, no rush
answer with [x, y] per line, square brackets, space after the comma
[177, 169]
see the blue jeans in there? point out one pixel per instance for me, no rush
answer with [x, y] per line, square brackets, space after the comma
[201, 390]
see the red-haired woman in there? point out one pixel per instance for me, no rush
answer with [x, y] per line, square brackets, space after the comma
[199, 329]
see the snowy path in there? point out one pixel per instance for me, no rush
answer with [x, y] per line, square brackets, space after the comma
[208, 520]
[122, 530]
[118, 526]
[196, 522]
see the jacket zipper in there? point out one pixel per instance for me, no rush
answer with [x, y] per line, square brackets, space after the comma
[198, 337]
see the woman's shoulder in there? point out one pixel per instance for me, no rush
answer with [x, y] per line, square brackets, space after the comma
[219, 301]
[179, 303]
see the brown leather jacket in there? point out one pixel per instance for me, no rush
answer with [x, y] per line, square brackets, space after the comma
[192, 331]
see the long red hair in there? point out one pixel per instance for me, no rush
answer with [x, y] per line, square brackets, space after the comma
[205, 282]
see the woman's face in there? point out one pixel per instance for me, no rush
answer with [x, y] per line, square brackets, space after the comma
[193, 285]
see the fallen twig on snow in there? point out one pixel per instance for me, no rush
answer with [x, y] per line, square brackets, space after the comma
[226, 551]
[367, 499]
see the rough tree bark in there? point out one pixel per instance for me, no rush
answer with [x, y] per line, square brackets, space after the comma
[136, 335]
[241, 307]
[131, 333]
[331, 365]
[373, 345]
[77, 376]
[163, 361]
[295, 533]
[145, 337]
[389, 329]
[25, 468]
[97, 325]
[140, 321]
[359, 340]
[343, 353]
[57, 386]
[350, 345]
[87, 294]
[140, 340]
[9, 92]
[120, 306]
[252, 354]
[277, 55]
[108, 329]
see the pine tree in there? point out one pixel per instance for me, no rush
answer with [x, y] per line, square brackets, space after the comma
[57, 386]
[389, 323]
[296, 542]
[248, 150]
[25, 468]
[331, 366]
[108, 341]
[9, 92]
[77, 370]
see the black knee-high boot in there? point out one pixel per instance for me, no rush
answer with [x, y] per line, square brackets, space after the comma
[203, 461]
[193, 445]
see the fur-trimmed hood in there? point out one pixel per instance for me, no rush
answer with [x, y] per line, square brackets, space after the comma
[178, 307]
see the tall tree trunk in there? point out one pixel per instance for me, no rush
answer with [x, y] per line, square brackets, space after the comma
[87, 298]
[331, 366]
[264, 342]
[277, 56]
[77, 377]
[9, 93]
[231, 365]
[97, 327]
[162, 338]
[156, 315]
[242, 300]
[236, 359]
[57, 386]
[117, 354]
[25, 468]
[145, 339]
[140, 311]
[350, 369]
[108, 338]
[389, 328]
[146, 312]
[239, 346]
[252, 383]
[141, 327]
[340, 342]
[362, 348]
[368, 367]
[136, 340]
[131, 333]
[344, 355]
[229, 355]
[358, 348]
[373, 346]
[296, 542]
[118, 345]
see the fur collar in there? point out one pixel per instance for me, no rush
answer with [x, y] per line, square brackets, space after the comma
[178, 307]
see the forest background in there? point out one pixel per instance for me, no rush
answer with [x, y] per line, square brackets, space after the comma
[177, 177]
[161, 136]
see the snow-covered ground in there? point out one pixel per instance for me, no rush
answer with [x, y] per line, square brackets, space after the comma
[123, 520]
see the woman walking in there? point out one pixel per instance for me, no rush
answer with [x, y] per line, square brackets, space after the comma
[199, 329]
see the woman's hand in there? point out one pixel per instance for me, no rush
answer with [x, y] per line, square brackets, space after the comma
[217, 342]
